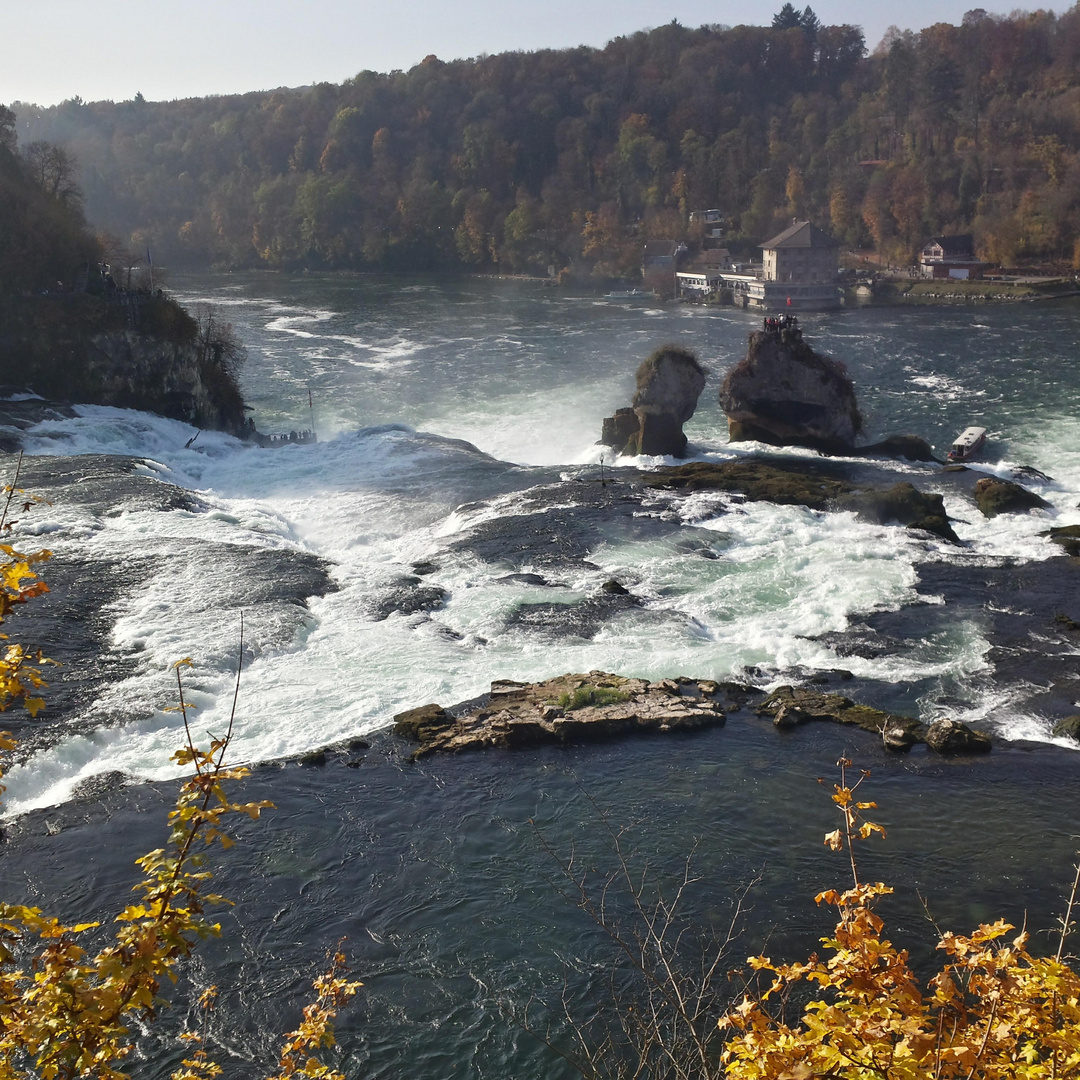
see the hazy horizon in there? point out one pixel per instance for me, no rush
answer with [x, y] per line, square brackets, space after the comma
[195, 48]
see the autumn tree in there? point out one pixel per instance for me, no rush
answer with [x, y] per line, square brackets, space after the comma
[994, 1010]
[72, 1000]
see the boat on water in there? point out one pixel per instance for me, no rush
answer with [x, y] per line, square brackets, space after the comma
[967, 444]
[629, 296]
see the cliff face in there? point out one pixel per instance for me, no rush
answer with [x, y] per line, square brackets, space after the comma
[140, 355]
[135, 371]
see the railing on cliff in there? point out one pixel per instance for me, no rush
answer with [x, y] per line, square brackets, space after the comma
[288, 438]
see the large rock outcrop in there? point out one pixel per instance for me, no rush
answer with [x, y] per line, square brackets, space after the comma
[138, 352]
[569, 707]
[784, 393]
[669, 384]
[600, 705]
[996, 496]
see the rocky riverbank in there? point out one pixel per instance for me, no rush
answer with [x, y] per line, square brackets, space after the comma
[133, 352]
[600, 705]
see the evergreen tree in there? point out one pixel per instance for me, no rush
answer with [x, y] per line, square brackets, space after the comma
[787, 18]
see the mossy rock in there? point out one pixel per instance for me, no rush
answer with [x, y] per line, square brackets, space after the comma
[758, 481]
[422, 724]
[1068, 537]
[903, 502]
[954, 737]
[938, 524]
[790, 705]
[996, 496]
[1069, 728]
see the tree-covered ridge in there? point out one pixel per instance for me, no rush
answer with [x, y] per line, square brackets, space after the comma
[43, 237]
[573, 158]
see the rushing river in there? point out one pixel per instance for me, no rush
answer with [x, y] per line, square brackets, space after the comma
[448, 529]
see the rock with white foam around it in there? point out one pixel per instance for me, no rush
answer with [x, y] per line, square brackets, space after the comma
[784, 393]
[669, 384]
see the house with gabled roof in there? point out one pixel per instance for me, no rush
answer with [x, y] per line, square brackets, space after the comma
[800, 271]
[950, 257]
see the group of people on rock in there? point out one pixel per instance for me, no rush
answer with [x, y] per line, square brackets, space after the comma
[773, 325]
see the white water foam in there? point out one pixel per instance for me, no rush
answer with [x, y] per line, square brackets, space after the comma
[376, 500]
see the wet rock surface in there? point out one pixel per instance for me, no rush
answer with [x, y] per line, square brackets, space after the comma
[20, 409]
[1067, 537]
[784, 393]
[669, 384]
[817, 487]
[908, 447]
[1068, 728]
[789, 484]
[406, 596]
[995, 496]
[90, 586]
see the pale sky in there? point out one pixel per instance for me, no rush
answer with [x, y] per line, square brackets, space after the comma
[57, 49]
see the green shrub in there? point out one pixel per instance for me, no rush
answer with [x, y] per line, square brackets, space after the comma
[590, 695]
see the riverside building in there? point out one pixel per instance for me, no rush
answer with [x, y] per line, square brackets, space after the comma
[799, 271]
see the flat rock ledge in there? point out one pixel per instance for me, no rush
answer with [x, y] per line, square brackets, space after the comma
[599, 705]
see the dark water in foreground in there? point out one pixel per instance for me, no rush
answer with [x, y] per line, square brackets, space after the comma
[436, 875]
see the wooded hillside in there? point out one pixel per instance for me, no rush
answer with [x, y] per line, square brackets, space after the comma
[573, 158]
[43, 237]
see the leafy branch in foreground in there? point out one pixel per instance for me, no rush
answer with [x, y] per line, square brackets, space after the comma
[992, 1011]
[20, 679]
[66, 1012]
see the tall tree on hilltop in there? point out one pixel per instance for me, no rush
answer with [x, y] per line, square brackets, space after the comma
[787, 18]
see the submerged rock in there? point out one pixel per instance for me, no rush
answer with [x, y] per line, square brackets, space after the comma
[811, 486]
[995, 496]
[406, 596]
[1031, 474]
[904, 503]
[953, 737]
[1069, 728]
[1068, 536]
[792, 705]
[757, 480]
[784, 393]
[669, 384]
[908, 447]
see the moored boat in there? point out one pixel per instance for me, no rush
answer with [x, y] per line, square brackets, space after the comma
[967, 444]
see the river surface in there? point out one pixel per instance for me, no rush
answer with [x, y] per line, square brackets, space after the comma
[449, 528]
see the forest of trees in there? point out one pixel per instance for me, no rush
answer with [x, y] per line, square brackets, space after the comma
[574, 158]
[43, 236]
